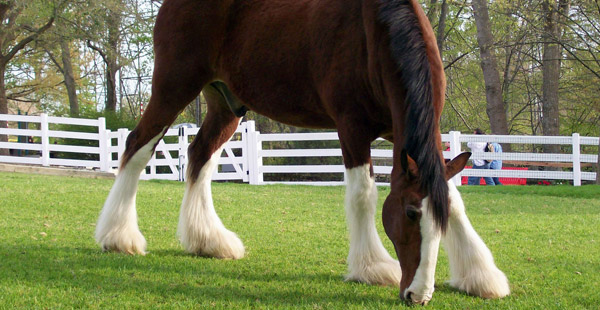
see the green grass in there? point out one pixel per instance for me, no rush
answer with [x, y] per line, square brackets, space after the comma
[546, 240]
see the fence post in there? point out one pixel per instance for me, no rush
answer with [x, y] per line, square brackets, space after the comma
[182, 153]
[455, 149]
[103, 144]
[254, 146]
[121, 140]
[45, 139]
[576, 160]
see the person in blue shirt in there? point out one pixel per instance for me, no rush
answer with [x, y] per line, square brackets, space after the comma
[496, 164]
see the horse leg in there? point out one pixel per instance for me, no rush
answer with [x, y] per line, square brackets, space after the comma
[117, 229]
[368, 260]
[200, 230]
[177, 80]
[472, 266]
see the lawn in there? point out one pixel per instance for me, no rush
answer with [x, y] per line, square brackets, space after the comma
[546, 240]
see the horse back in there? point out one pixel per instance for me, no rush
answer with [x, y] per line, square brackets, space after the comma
[291, 60]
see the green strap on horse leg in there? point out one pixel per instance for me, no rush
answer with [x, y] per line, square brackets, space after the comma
[234, 103]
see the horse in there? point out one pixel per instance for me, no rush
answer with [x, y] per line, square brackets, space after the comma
[367, 68]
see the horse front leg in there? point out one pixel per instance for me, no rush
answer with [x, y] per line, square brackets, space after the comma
[368, 260]
[200, 229]
[472, 266]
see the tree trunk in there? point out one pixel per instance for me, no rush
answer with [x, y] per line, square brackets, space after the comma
[496, 109]
[551, 60]
[434, 7]
[69, 78]
[112, 54]
[3, 107]
[432, 12]
[441, 30]
[111, 86]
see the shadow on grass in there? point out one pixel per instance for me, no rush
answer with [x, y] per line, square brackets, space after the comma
[165, 274]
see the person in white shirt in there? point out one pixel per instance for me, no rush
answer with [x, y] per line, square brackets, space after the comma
[479, 163]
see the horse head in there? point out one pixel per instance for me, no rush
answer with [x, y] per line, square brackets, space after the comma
[411, 228]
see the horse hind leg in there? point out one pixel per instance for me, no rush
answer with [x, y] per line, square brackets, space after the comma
[174, 86]
[117, 229]
[472, 266]
[200, 229]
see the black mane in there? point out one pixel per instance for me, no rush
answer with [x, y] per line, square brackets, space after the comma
[409, 52]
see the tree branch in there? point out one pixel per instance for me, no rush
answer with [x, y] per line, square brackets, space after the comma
[456, 59]
[13, 51]
[54, 61]
[97, 49]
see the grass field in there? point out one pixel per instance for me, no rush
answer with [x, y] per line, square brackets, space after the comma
[546, 240]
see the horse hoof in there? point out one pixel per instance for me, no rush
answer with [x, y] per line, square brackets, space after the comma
[131, 243]
[386, 273]
[488, 284]
[223, 244]
[414, 299]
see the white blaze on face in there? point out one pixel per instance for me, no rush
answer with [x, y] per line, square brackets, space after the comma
[422, 287]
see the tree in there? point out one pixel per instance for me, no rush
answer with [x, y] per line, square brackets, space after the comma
[493, 88]
[441, 21]
[61, 39]
[67, 71]
[120, 31]
[65, 67]
[15, 34]
[109, 47]
[553, 10]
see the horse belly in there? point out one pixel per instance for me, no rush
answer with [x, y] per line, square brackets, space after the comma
[266, 62]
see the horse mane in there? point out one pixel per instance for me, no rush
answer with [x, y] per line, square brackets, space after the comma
[409, 52]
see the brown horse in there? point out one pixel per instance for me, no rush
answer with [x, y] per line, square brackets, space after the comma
[368, 68]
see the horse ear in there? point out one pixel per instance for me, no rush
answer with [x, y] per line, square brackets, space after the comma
[408, 165]
[456, 165]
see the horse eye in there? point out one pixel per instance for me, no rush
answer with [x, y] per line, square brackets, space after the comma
[412, 213]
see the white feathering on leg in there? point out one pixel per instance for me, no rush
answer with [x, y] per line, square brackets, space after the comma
[200, 230]
[368, 260]
[117, 228]
[472, 265]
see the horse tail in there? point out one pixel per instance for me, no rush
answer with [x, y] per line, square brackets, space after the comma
[414, 50]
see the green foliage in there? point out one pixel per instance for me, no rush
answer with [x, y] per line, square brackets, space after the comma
[517, 27]
[114, 121]
[543, 238]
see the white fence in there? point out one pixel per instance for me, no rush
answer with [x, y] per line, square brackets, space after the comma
[252, 157]
[41, 150]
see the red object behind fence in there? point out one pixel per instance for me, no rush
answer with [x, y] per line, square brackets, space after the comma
[504, 181]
